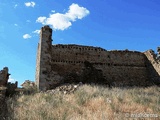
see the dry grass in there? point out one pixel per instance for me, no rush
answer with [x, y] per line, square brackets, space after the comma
[89, 102]
[3, 88]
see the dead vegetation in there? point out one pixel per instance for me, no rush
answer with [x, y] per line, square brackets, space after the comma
[88, 102]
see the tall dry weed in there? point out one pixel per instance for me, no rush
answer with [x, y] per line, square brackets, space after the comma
[89, 102]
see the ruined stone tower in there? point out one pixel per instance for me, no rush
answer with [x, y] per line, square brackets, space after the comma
[64, 63]
[43, 66]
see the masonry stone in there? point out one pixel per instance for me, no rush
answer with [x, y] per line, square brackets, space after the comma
[4, 76]
[120, 67]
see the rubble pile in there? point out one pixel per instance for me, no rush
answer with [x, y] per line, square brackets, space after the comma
[65, 88]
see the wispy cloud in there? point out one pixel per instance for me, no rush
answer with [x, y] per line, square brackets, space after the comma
[30, 4]
[28, 21]
[63, 21]
[15, 24]
[15, 5]
[26, 36]
[36, 31]
[53, 11]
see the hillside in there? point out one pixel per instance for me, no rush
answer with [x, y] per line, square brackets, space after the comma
[87, 102]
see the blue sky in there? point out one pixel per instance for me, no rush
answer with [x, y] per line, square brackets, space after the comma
[110, 24]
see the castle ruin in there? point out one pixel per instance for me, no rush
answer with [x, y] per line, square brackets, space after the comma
[55, 62]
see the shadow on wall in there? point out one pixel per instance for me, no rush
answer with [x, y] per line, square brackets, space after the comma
[89, 74]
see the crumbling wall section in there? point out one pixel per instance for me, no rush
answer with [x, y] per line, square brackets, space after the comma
[152, 58]
[153, 66]
[4, 76]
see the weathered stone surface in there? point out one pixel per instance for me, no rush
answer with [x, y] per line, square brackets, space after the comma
[5, 89]
[4, 76]
[60, 63]
[28, 83]
[43, 67]
[11, 87]
[153, 66]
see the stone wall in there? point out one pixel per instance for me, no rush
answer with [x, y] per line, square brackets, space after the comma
[121, 68]
[77, 54]
[4, 76]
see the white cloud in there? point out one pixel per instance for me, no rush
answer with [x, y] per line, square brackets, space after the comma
[63, 21]
[41, 20]
[30, 4]
[26, 36]
[76, 12]
[36, 31]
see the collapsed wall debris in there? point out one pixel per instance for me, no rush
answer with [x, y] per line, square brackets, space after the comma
[4, 76]
[8, 87]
